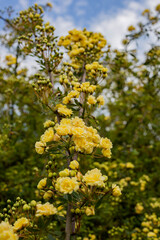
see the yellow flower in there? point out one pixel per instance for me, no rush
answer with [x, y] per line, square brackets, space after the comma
[72, 94]
[91, 100]
[42, 183]
[63, 110]
[139, 208]
[45, 209]
[48, 135]
[107, 118]
[66, 100]
[21, 223]
[158, 8]
[10, 59]
[74, 164]
[90, 211]
[64, 173]
[100, 100]
[92, 237]
[106, 152]
[145, 11]
[6, 232]
[48, 124]
[78, 122]
[48, 195]
[151, 234]
[129, 165]
[63, 130]
[131, 28]
[77, 131]
[49, 5]
[145, 230]
[40, 147]
[94, 178]
[67, 185]
[105, 143]
[116, 191]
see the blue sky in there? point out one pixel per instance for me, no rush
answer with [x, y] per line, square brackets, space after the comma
[110, 17]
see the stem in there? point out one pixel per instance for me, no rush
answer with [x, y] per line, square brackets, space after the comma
[50, 73]
[68, 228]
[82, 95]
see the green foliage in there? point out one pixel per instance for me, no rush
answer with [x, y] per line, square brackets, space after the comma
[132, 122]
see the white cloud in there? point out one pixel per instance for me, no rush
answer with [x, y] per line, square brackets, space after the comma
[62, 24]
[114, 25]
[23, 3]
[80, 7]
[59, 6]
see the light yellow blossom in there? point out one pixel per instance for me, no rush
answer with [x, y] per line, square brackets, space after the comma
[42, 183]
[74, 164]
[67, 185]
[45, 209]
[90, 211]
[6, 232]
[21, 223]
[40, 147]
[94, 178]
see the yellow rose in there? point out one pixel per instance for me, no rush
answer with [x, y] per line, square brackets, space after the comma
[77, 131]
[145, 230]
[90, 211]
[48, 135]
[105, 143]
[116, 191]
[48, 195]
[21, 223]
[63, 110]
[40, 147]
[42, 183]
[106, 152]
[139, 208]
[6, 232]
[63, 130]
[48, 124]
[151, 234]
[94, 178]
[67, 185]
[64, 173]
[45, 209]
[129, 165]
[91, 100]
[100, 100]
[74, 164]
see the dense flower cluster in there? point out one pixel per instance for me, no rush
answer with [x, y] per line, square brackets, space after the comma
[21, 223]
[70, 95]
[63, 110]
[6, 232]
[45, 209]
[94, 178]
[85, 138]
[96, 70]
[66, 185]
[82, 44]
[149, 228]
[10, 59]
